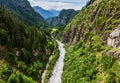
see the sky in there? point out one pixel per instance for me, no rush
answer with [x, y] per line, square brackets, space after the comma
[59, 4]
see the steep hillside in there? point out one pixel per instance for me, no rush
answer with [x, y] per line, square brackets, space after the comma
[98, 18]
[24, 50]
[63, 18]
[89, 59]
[22, 10]
[46, 13]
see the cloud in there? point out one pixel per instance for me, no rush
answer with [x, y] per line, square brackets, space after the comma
[59, 4]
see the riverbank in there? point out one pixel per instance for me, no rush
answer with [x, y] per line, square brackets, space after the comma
[50, 65]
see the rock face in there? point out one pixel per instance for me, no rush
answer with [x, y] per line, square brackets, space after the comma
[114, 38]
[93, 20]
[114, 53]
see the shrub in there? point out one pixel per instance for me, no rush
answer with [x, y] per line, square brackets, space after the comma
[107, 61]
[17, 77]
[99, 21]
[3, 37]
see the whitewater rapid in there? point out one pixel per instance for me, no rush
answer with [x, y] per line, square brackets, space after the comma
[58, 68]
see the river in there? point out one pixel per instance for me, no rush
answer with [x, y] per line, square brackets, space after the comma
[58, 68]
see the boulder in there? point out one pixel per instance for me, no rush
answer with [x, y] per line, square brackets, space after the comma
[114, 38]
[115, 53]
[110, 52]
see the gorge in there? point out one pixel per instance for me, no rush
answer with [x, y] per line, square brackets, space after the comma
[87, 50]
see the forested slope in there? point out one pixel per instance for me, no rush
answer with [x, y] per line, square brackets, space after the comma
[22, 10]
[24, 50]
[88, 59]
[98, 18]
[63, 18]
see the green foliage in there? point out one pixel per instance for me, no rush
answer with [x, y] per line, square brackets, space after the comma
[79, 65]
[51, 65]
[35, 69]
[63, 18]
[3, 35]
[6, 71]
[99, 21]
[86, 60]
[24, 48]
[90, 27]
[109, 27]
[17, 77]
[107, 61]
[85, 63]
[110, 78]
[98, 17]
[22, 10]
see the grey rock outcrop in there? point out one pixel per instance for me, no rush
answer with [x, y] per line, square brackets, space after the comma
[114, 38]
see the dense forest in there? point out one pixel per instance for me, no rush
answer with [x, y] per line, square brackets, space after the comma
[22, 10]
[24, 50]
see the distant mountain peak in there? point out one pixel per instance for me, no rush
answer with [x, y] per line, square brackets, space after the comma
[46, 13]
[21, 9]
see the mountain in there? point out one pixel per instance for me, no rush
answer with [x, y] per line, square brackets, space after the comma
[97, 20]
[92, 44]
[22, 10]
[63, 18]
[46, 13]
[24, 50]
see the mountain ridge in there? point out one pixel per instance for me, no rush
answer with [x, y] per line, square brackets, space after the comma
[22, 10]
[63, 18]
[46, 13]
[88, 58]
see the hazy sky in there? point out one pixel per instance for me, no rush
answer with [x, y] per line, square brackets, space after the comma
[59, 4]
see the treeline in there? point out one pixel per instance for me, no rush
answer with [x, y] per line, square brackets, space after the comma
[25, 50]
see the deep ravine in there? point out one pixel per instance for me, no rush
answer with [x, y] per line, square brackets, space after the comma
[58, 68]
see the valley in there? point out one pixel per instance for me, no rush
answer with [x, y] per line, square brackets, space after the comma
[39, 44]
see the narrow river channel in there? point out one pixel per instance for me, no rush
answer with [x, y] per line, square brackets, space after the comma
[58, 68]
